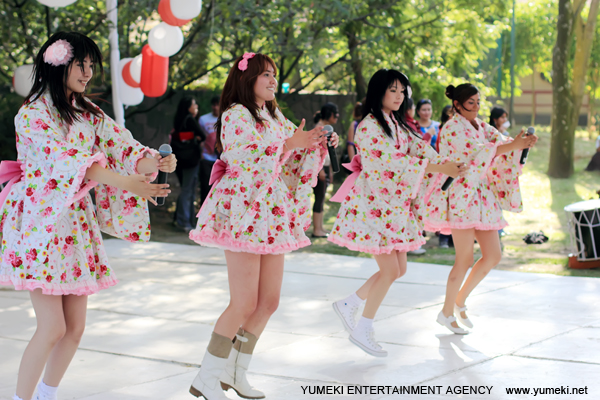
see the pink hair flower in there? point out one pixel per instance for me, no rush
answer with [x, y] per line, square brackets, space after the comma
[59, 53]
[243, 64]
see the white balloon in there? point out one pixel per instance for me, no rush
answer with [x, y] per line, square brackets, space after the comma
[186, 9]
[57, 3]
[130, 96]
[165, 40]
[135, 69]
[23, 79]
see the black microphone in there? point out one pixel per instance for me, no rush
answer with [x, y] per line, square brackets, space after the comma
[164, 151]
[334, 161]
[447, 184]
[525, 153]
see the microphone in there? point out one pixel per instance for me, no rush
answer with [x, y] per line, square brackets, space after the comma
[164, 151]
[525, 153]
[447, 184]
[334, 161]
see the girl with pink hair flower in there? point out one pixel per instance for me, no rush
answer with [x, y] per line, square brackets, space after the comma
[51, 237]
[256, 211]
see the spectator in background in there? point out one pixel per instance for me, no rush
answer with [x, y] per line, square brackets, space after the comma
[209, 154]
[429, 128]
[185, 141]
[499, 120]
[410, 115]
[328, 115]
[594, 164]
[445, 241]
[357, 117]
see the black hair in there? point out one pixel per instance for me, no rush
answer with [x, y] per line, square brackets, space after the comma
[461, 93]
[54, 78]
[409, 104]
[183, 111]
[215, 100]
[421, 103]
[326, 112]
[496, 113]
[445, 117]
[380, 82]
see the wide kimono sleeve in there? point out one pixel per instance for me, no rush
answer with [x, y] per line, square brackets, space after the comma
[503, 174]
[422, 149]
[54, 178]
[393, 176]
[120, 213]
[300, 173]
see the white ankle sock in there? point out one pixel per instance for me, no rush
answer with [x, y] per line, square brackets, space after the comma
[354, 300]
[47, 392]
[15, 397]
[364, 324]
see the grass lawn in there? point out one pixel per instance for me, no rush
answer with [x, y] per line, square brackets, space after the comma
[544, 200]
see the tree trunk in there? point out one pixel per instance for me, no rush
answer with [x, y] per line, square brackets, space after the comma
[356, 62]
[584, 35]
[561, 147]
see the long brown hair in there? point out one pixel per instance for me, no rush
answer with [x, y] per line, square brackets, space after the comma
[239, 88]
[54, 78]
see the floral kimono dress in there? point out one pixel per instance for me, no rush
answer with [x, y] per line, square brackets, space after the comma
[379, 213]
[476, 200]
[50, 233]
[261, 202]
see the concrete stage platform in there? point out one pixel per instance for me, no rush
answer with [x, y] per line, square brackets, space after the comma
[146, 336]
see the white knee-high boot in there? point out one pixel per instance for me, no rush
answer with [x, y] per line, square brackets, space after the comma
[207, 382]
[234, 376]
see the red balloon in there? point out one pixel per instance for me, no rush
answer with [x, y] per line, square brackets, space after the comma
[164, 9]
[155, 73]
[127, 78]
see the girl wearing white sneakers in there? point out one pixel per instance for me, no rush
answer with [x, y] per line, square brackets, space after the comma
[472, 206]
[378, 214]
[257, 210]
[50, 234]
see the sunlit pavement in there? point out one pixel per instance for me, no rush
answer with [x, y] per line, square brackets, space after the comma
[146, 336]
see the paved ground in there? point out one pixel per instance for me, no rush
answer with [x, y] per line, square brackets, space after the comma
[146, 336]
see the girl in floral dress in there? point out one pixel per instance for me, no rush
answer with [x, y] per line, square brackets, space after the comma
[379, 214]
[472, 206]
[257, 210]
[51, 240]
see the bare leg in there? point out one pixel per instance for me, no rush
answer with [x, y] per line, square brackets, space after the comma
[463, 243]
[269, 291]
[389, 270]
[318, 229]
[75, 309]
[491, 253]
[243, 271]
[51, 328]
[363, 291]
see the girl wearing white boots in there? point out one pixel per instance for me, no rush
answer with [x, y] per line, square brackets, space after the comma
[378, 214]
[257, 210]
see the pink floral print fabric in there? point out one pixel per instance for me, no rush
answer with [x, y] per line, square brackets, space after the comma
[261, 204]
[50, 234]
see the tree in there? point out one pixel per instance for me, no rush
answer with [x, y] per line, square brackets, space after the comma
[568, 81]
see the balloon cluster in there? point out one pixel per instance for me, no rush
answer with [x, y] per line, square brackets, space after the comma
[148, 73]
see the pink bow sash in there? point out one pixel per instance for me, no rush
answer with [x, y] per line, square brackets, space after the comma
[11, 171]
[219, 169]
[356, 167]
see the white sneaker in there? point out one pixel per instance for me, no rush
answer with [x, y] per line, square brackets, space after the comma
[365, 339]
[418, 251]
[465, 321]
[447, 322]
[347, 313]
